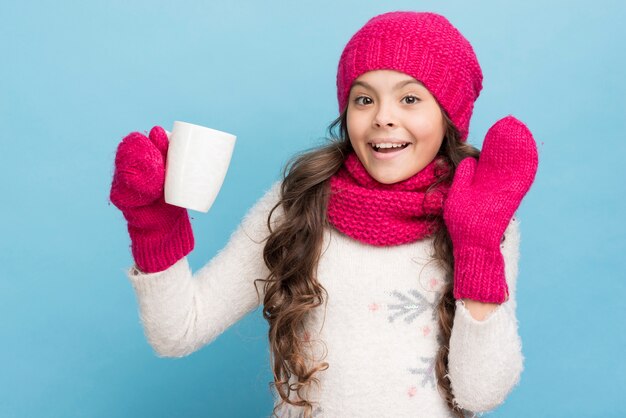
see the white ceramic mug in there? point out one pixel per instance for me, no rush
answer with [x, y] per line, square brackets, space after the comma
[197, 162]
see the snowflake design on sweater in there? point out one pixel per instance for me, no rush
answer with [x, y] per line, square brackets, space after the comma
[427, 372]
[411, 305]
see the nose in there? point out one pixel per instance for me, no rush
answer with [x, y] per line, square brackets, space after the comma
[384, 117]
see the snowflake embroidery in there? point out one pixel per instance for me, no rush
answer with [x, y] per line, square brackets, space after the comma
[427, 372]
[374, 307]
[433, 283]
[411, 306]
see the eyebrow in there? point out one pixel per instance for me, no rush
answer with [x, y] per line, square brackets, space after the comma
[396, 87]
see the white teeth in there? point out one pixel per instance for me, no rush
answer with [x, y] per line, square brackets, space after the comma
[388, 145]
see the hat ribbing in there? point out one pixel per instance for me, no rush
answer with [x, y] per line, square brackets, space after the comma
[423, 45]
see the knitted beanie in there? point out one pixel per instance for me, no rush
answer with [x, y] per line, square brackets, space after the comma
[423, 45]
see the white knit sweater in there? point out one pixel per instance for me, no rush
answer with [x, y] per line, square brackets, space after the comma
[378, 327]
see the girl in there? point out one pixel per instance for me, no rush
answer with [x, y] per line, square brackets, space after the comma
[388, 257]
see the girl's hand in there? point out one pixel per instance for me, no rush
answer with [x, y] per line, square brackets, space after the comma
[160, 233]
[480, 204]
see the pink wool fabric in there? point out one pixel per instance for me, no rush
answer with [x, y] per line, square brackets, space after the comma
[160, 233]
[483, 196]
[386, 214]
[480, 204]
[423, 45]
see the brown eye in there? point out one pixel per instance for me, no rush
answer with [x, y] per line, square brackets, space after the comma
[411, 99]
[362, 100]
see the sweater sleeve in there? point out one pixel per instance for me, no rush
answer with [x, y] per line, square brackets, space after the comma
[181, 311]
[485, 360]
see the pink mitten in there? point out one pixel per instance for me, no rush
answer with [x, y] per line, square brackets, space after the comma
[480, 204]
[160, 233]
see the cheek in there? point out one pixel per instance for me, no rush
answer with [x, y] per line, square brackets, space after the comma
[429, 129]
[355, 128]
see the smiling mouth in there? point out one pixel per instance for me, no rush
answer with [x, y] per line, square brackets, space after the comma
[388, 148]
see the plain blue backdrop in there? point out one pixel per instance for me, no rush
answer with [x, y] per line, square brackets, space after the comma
[77, 76]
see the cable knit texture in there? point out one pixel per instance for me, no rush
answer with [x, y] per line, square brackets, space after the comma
[423, 45]
[160, 233]
[378, 327]
[480, 204]
[386, 214]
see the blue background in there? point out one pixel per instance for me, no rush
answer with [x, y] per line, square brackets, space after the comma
[77, 76]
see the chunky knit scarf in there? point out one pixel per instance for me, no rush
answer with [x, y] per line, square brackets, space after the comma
[386, 214]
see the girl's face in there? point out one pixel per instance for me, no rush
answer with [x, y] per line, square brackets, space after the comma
[395, 125]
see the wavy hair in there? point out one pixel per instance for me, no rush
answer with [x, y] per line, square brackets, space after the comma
[293, 250]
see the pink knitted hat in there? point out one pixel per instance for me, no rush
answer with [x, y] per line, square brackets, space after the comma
[423, 45]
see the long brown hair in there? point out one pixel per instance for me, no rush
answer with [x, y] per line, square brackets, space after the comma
[293, 249]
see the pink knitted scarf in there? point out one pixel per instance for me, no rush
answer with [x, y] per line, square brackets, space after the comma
[386, 214]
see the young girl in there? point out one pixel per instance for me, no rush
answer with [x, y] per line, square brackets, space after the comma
[388, 257]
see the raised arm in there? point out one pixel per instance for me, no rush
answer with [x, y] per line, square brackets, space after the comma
[182, 312]
[485, 360]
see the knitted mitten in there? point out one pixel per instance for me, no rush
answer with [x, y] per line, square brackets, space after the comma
[480, 204]
[160, 233]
